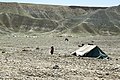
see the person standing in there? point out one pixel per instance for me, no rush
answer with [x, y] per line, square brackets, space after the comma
[52, 50]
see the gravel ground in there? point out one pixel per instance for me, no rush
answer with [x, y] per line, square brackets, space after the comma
[27, 57]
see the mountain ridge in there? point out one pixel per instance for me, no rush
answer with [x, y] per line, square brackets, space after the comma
[24, 17]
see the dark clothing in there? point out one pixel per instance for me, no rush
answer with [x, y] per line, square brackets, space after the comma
[52, 50]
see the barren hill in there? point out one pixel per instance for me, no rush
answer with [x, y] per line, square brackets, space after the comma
[24, 17]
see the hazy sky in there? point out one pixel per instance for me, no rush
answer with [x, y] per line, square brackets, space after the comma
[70, 2]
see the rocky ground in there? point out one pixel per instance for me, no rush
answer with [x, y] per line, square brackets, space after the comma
[27, 57]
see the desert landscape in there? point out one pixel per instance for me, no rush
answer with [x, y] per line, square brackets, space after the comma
[27, 57]
[27, 32]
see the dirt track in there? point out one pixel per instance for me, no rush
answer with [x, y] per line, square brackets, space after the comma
[27, 58]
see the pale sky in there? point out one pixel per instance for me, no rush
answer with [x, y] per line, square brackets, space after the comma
[100, 3]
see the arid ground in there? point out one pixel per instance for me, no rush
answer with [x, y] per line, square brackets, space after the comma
[27, 57]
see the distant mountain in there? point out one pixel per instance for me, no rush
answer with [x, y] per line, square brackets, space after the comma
[25, 17]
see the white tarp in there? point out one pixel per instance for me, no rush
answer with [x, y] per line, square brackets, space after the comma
[84, 49]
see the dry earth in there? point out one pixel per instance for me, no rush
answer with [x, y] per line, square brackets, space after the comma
[26, 57]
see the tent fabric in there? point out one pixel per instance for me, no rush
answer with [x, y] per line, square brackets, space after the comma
[90, 51]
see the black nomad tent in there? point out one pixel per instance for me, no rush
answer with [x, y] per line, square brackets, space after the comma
[90, 51]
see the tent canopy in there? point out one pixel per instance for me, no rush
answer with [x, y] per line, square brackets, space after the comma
[90, 51]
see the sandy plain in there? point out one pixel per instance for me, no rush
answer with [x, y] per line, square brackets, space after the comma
[27, 57]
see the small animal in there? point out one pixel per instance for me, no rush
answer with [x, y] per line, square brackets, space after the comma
[66, 39]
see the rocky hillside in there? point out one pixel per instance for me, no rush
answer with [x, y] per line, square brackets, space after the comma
[19, 17]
